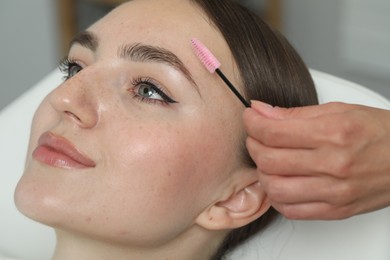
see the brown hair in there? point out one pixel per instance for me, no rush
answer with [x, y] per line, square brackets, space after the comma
[271, 71]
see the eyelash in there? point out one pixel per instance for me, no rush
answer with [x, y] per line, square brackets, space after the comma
[67, 64]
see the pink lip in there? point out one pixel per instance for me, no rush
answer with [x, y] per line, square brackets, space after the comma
[59, 152]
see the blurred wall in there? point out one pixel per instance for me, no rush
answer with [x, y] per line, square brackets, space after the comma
[28, 45]
[347, 38]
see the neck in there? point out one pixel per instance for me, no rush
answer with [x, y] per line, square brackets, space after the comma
[193, 245]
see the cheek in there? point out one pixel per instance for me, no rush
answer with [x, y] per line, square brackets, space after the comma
[158, 174]
[169, 162]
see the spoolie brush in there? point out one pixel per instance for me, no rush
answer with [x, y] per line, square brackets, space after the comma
[212, 65]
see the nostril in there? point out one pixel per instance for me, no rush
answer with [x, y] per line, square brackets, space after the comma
[70, 114]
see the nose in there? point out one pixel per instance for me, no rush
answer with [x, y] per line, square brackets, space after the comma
[74, 101]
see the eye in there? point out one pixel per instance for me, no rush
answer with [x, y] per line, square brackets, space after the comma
[146, 90]
[69, 68]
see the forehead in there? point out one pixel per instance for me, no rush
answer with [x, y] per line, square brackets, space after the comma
[166, 23]
[151, 20]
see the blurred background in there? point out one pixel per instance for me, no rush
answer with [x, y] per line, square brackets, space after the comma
[347, 38]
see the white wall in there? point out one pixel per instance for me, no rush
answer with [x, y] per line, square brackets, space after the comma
[347, 38]
[28, 45]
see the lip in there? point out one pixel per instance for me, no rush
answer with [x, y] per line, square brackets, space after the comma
[58, 152]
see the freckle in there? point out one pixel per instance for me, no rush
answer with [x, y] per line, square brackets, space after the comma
[88, 219]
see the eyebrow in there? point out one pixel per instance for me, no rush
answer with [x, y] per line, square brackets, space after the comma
[138, 52]
[86, 39]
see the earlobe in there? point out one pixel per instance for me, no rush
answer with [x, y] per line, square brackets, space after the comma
[241, 208]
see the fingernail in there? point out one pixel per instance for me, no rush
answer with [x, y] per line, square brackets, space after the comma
[261, 104]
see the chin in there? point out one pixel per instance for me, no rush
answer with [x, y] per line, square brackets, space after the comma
[33, 201]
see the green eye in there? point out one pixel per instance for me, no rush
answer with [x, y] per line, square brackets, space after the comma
[147, 90]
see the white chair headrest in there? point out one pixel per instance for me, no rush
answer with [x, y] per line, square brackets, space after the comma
[359, 238]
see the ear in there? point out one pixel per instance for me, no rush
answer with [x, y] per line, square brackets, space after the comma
[246, 203]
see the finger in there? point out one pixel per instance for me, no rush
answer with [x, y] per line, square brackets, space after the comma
[308, 189]
[306, 133]
[288, 162]
[313, 211]
[292, 190]
[301, 112]
[276, 133]
[332, 163]
[323, 210]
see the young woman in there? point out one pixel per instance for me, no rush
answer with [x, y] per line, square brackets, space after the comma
[140, 153]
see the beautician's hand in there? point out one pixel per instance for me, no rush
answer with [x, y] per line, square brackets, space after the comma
[330, 161]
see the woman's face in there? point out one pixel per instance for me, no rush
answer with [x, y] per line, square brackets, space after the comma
[156, 135]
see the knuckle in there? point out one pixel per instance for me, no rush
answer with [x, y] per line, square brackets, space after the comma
[343, 194]
[293, 111]
[349, 127]
[342, 165]
[342, 135]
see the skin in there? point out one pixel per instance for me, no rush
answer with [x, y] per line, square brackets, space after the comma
[321, 162]
[168, 182]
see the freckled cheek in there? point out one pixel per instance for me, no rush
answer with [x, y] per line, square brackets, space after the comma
[163, 166]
